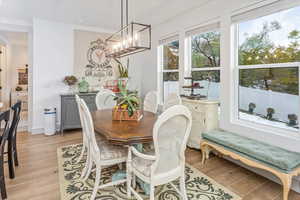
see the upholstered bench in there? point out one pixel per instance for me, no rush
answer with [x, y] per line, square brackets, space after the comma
[282, 163]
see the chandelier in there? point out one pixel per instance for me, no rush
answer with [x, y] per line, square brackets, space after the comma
[132, 38]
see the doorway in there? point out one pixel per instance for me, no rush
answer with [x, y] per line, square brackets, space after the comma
[14, 60]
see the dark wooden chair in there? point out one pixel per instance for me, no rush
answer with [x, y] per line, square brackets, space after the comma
[12, 140]
[4, 119]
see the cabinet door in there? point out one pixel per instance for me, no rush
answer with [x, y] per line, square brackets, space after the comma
[70, 113]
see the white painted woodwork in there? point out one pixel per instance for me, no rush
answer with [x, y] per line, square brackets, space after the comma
[205, 118]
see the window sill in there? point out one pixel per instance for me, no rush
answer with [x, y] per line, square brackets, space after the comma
[295, 135]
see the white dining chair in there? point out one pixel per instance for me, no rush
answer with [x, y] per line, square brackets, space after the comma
[170, 135]
[105, 99]
[172, 100]
[85, 143]
[101, 154]
[151, 102]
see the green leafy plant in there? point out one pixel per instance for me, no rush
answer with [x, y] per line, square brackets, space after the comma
[127, 100]
[123, 71]
[70, 80]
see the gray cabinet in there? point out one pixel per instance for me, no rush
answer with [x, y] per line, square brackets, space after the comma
[69, 110]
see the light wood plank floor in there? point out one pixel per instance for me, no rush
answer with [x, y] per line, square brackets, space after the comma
[37, 178]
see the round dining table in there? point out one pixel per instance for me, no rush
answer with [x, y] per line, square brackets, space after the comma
[124, 132]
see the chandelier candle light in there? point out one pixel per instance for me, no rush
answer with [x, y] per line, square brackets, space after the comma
[132, 38]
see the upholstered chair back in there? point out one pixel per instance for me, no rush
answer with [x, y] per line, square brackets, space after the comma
[170, 135]
[105, 99]
[151, 102]
[172, 100]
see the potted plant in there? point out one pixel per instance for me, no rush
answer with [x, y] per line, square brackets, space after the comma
[292, 119]
[70, 81]
[128, 105]
[252, 106]
[270, 113]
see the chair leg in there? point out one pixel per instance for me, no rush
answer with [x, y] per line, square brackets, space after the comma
[10, 155]
[81, 154]
[183, 188]
[86, 167]
[16, 152]
[89, 169]
[129, 181]
[2, 180]
[3, 188]
[152, 192]
[97, 182]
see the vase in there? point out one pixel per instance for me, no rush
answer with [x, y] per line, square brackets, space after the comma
[122, 115]
[72, 88]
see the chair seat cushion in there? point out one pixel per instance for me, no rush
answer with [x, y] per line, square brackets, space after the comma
[270, 155]
[110, 152]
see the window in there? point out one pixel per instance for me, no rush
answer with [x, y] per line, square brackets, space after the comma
[268, 69]
[205, 60]
[170, 67]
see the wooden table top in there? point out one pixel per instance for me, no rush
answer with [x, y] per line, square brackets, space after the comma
[124, 132]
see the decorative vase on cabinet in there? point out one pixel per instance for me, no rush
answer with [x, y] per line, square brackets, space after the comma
[205, 118]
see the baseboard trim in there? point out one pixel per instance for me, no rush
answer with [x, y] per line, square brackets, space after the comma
[35, 131]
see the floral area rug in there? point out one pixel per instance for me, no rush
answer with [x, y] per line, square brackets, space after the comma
[198, 185]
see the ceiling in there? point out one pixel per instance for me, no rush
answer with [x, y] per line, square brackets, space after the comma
[100, 13]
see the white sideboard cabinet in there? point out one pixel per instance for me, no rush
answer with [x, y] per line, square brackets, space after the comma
[205, 118]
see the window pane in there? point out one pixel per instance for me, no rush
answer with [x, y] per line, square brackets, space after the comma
[171, 55]
[171, 84]
[271, 39]
[210, 80]
[206, 50]
[270, 96]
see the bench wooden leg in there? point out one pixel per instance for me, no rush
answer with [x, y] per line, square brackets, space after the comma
[205, 152]
[203, 155]
[286, 180]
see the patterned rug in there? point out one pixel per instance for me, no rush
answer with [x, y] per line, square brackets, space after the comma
[199, 186]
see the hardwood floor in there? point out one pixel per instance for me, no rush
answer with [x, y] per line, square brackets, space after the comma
[37, 178]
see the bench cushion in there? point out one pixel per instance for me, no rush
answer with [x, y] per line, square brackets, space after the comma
[273, 156]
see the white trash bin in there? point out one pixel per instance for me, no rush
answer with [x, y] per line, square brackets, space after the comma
[50, 121]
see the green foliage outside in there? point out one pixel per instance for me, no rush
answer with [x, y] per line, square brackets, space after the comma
[259, 49]
[206, 50]
[256, 49]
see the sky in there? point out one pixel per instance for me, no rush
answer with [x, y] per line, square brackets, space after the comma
[289, 20]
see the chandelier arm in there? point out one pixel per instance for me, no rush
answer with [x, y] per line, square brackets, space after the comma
[127, 13]
[122, 15]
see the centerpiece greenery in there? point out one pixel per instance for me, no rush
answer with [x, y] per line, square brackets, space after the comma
[128, 105]
[123, 71]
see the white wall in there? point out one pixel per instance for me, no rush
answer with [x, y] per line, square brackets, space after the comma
[211, 12]
[53, 47]
[54, 57]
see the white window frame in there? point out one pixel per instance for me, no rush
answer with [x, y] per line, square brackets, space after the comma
[161, 69]
[235, 112]
[188, 49]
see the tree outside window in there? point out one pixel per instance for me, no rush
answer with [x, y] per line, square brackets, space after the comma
[268, 56]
